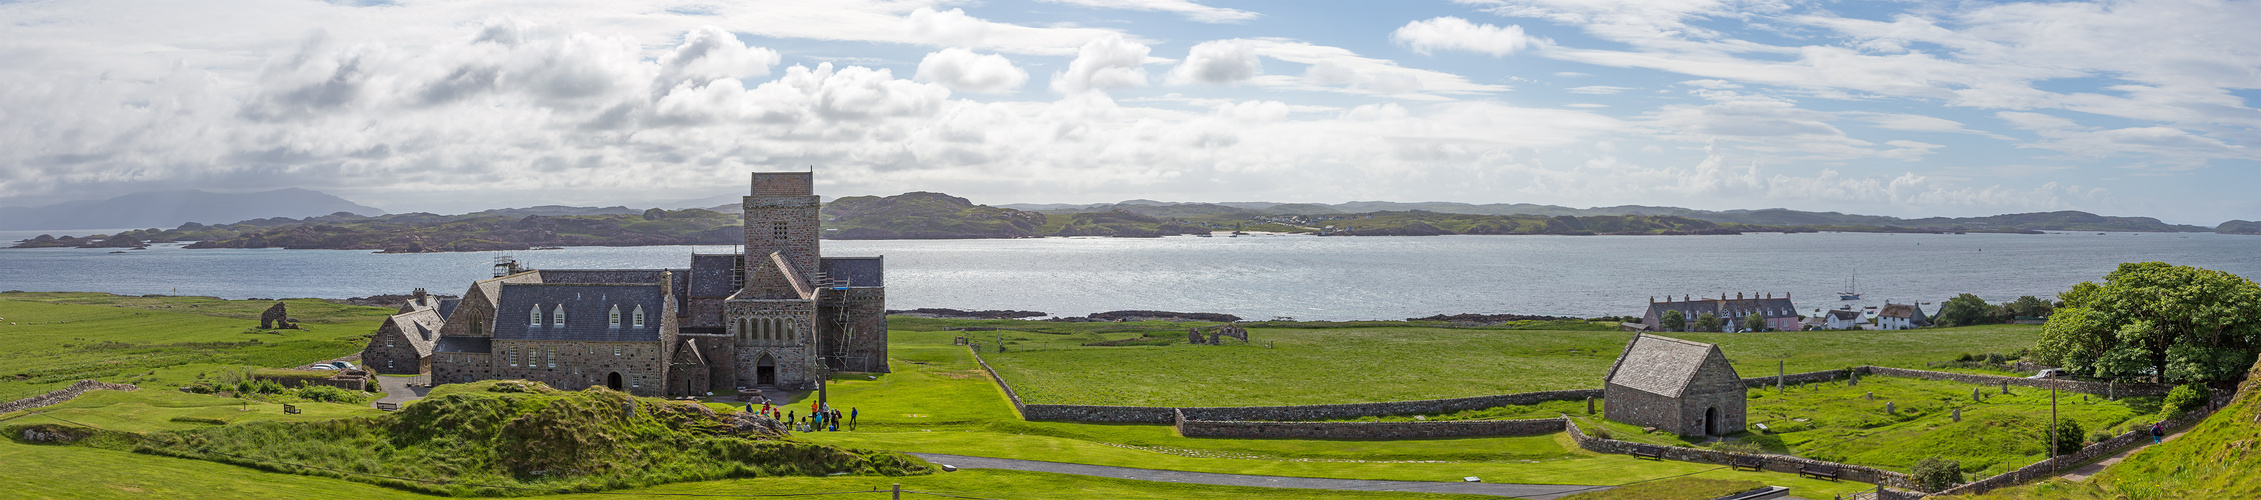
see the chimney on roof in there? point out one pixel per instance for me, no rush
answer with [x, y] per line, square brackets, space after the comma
[1738, 295]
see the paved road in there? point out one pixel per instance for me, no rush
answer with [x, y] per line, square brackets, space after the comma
[1531, 491]
[398, 390]
[2085, 471]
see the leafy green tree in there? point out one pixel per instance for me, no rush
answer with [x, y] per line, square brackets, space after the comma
[2031, 307]
[2180, 323]
[1754, 322]
[1934, 474]
[1708, 322]
[1965, 310]
[2182, 400]
[1673, 321]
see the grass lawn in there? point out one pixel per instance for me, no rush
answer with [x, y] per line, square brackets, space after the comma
[1672, 489]
[938, 401]
[1396, 362]
[49, 340]
[158, 409]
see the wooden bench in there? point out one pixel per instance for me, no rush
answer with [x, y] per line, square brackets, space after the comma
[1819, 470]
[388, 406]
[291, 409]
[1648, 452]
[1754, 462]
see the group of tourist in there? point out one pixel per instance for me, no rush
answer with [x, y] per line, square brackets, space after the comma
[821, 417]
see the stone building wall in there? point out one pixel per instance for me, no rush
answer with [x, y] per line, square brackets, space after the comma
[1367, 430]
[1715, 386]
[461, 367]
[793, 357]
[574, 366]
[783, 201]
[1637, 407]
[390, 351]
[475, 315]
[860, 343]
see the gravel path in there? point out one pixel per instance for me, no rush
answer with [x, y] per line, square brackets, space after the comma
[1531, 491]
[398, 390]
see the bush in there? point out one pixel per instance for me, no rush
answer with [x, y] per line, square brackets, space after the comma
[1599, 432]
[2069, 437]
[259, 387]
[1934, 474]
[2182, 400]
[327, 394]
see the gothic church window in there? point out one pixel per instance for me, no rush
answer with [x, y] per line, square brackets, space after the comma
[613, 318]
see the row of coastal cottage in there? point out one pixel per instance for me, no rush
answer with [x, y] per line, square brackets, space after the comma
[1777, 313]
[776, 315]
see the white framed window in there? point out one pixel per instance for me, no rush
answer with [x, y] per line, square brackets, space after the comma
[616, 350]
[613, 318]
[550, 356]
[513, 355]
[557, 316]
[534, 316]
[639, 315]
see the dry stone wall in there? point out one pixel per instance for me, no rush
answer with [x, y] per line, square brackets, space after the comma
[1368, 430]
[61, 395]
[1776, 463]
[2080, 386]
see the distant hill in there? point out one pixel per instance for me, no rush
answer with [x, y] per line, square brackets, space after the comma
[2038, 221]
[923, 215]
[172, 208]
[2239, 227]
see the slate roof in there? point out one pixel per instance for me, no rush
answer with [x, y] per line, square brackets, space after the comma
[1845, 315]
[587, 311]
[619, 276]
[447, 307]
[859, 272]
[464, 344]
[1659, 365]
[710, 275]
[421, 326]
[1779, 307]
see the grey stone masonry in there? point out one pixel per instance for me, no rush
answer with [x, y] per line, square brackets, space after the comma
[1366, 430]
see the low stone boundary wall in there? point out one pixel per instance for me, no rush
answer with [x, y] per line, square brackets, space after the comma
[2106, 389]
[61, 395]
[1357, 410]
[2050, 467]
[1777, 463]
[1367, 430]
[1797, 378]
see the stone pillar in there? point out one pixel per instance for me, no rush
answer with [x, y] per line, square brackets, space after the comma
[2005, 387]
[1589, 405]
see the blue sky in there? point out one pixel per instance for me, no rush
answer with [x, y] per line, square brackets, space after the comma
[1892, 108]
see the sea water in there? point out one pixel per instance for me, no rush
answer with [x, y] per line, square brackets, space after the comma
[1255, 277]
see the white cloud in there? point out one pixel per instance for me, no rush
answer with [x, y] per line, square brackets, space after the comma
[1598, 89]
[1187, 8]
[709, 53]
[963, 70]
[1453, 33]
[1335, 69]
[1107, 62]
[1218, 62]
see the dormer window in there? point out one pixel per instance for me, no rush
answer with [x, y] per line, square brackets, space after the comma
[613, 318]
[534, 316]
[639, 316]
[557, 316]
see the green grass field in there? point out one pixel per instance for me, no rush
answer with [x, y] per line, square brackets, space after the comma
[1293, 366]
[49, 340]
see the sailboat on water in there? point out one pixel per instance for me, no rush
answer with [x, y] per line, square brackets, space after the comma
[1855, 286]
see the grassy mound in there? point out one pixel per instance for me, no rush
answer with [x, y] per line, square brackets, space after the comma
[524, 438]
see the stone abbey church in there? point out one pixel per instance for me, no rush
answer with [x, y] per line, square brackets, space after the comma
[774, 315]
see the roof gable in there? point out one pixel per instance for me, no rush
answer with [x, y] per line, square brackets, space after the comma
[587, 307]
[1661, 365]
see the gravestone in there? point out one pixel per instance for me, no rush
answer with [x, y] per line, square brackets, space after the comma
[1589, 405]
[2005, 387]
[1976, 397]
[1854, 378]
[1958, 415]
[1872, 396]
[1889, 409]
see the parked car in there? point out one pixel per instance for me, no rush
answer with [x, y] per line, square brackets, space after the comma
[322, 367]
[2048, 373]
[342, 365]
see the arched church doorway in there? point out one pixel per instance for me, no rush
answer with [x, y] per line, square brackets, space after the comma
[613, 381]
[765, 370]
[1711, 421]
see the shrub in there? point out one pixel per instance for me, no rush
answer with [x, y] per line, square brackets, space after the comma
[1600, 432]
[327, 394]
[2182, 400]
[2069, 437]
[1934, 474]
[259, 387]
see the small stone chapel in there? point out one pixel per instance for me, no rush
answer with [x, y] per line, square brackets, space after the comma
[1684, 387]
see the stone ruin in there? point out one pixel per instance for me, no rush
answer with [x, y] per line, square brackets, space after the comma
[1216, 334]
[277, 318]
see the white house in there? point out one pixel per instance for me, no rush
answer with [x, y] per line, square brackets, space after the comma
[1841, 319]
